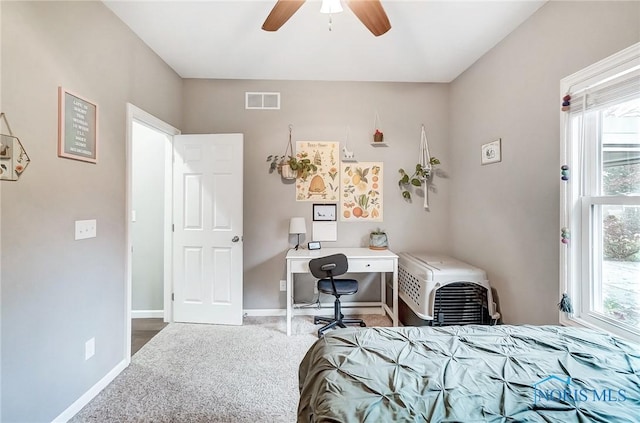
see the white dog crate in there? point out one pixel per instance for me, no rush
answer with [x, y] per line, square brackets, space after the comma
[442, 291]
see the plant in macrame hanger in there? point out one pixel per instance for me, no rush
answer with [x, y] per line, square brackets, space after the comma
[422, 173]
[283, 165]
[276, 161]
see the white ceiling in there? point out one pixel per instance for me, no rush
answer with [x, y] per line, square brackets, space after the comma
[430, 41]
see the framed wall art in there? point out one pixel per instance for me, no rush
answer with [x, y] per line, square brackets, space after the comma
[324, 212]
[491, 152]
[361, 193]
[323, 185]
[77, 127]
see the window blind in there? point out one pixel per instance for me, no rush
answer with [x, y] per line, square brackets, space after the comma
[616, 89]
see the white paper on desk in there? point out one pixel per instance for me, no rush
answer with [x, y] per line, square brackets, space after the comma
[325, 231]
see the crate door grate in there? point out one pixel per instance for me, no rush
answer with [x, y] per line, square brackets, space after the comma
[409, 284]
[461, 303]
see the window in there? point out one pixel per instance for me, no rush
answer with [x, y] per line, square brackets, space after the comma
[600, 261]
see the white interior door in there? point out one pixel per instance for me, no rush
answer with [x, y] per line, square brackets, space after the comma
[207, 250]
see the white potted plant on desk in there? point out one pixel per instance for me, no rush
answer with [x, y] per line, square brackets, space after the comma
[378, 240]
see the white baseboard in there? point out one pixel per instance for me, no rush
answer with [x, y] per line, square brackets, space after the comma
[264, 312]
[67, 414]
[313, 311]
[147, 314]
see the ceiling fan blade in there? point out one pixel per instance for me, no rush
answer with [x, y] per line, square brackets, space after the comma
[281, 13]
[371, 14]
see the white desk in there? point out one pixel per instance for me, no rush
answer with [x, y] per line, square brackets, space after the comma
[361, 260]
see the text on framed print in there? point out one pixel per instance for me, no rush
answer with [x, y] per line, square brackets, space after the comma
[77, 127]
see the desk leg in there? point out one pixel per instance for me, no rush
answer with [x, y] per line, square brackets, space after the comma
[289, 297]
[395, 292]
[383, 292]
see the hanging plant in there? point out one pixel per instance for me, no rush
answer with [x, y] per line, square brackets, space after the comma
[281, 164]
[302, 165]
[419, 177]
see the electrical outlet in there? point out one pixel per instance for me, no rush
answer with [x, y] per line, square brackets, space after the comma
[85, 229]
[283, 285]
[89, 348]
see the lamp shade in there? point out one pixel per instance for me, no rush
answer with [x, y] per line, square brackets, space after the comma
[297, 225]
[331, 6]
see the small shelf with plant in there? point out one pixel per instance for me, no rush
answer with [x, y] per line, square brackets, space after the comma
[420, 175]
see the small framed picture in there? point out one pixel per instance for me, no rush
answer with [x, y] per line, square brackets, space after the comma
[324, 212]
[492, 152]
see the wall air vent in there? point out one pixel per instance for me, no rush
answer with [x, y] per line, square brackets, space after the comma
[262, 101]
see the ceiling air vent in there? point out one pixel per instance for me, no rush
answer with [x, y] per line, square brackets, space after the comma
[262, 101]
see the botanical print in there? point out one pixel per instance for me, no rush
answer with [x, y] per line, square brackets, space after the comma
[324, 183]
[361, 192]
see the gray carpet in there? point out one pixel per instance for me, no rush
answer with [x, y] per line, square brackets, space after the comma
[210, 373]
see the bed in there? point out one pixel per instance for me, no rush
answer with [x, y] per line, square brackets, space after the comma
[470, 374]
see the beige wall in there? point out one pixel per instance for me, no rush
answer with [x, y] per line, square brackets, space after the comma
[322, 111]
[58, 293]
[505, 216]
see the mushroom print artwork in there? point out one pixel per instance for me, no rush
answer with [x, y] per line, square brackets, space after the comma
[324, 184]
[361, 192]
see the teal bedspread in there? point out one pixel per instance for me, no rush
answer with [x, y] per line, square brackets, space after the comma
[470, 374]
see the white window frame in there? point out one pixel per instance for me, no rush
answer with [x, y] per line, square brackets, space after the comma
[576, 267]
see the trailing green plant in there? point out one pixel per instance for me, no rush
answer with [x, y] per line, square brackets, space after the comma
[275, 162]
[301, 165]
[421, 174]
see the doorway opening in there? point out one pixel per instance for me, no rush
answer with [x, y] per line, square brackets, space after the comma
[149, 219]
[143, 329]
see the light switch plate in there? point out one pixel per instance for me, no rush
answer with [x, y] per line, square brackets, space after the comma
[85, 229]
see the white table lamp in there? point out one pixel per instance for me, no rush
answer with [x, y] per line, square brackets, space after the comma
[297, 226]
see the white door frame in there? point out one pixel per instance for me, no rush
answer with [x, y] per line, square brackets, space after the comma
[136, 114]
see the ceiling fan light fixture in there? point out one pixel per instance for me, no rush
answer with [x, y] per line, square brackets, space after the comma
[331, 6]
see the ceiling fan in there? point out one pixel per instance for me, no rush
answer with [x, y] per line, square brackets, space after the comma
[370, 13]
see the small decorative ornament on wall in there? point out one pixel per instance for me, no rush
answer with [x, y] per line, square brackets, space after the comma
[77, 127]
[492, 152]
[13, 157]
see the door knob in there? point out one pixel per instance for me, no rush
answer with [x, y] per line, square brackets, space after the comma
[235, 239]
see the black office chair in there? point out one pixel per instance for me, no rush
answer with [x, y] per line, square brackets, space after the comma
[325, 268]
